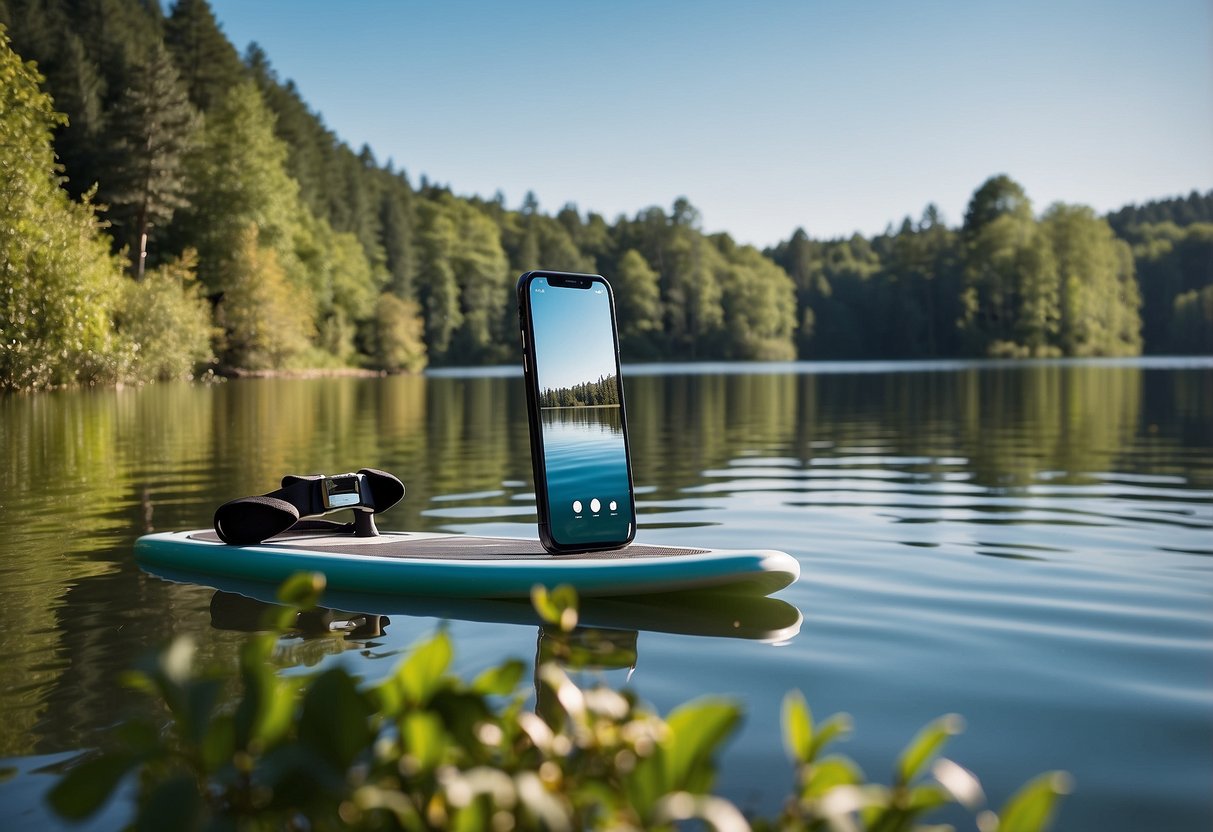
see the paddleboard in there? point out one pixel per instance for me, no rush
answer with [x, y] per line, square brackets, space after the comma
[465, 566]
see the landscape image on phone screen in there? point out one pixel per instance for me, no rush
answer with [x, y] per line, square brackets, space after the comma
[581, 420]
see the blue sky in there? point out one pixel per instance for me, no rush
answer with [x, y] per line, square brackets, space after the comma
[573, 338]
[834, 116]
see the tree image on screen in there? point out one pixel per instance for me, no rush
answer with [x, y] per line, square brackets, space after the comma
[601, 393]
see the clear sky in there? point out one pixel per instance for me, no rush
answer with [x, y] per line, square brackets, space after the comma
[835, 116]
[573, 339]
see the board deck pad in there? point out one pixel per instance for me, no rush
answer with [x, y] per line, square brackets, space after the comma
[467, 566]
[448, 546]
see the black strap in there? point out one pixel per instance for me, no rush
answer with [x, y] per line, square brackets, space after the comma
[250, 520]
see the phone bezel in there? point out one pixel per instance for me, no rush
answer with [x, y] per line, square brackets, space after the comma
[531, 382]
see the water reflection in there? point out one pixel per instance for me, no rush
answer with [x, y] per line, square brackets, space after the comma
[1106, 468]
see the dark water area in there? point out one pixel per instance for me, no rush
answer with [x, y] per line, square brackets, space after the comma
[1027, 545]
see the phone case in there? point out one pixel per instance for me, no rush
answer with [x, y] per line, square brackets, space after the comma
[535, 422]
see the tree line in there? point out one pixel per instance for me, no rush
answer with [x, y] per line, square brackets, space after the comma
[604, 391]
[189, 210]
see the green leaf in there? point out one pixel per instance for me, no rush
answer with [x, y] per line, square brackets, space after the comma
[423, 739]
[334, 720]
[302, 590]
[829, 774]
[219, 743]
[264, 713]
[926, 745]
[557, 606]
[696, 730]
[1031, 808]
[500, 680]
[421, 674]
[838, 725]
[86, 787]
[797, 726]
[927, 797]
[646, 783]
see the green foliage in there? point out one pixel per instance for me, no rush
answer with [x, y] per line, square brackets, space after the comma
[153, 125]
[1193, 322]
[1097, 293]
[464, 282]
[344, 228]
[1180, 211]
[831, 793]
[208, 62]
[422, 749]
[637, 294]
[236, 178]
[58, 283]
[1173, 263]
[759, 303]
[267, 323]
[398, 332]
[168, 322]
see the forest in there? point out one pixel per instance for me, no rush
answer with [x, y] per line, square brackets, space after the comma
[604, 391]
[170, 206]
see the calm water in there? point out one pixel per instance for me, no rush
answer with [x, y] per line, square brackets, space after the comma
[1028, 546]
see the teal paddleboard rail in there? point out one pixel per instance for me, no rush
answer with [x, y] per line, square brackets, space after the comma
[465, 566]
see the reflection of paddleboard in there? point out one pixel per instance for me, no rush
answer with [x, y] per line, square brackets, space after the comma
[464, 566]
[743, 616]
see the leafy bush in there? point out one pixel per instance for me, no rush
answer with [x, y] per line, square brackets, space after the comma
[167, 319]
[58, 280]
[399, 330]
[424, 749]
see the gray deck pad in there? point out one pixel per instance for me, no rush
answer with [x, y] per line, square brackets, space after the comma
[421, 545]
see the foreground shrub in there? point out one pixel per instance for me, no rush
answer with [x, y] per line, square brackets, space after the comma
[424, 749]
[168, 321]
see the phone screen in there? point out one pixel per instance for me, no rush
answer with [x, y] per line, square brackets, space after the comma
[581, 422]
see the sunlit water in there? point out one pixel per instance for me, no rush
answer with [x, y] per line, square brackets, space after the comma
[1026, 545]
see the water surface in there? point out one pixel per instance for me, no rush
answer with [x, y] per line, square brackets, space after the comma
[1028, 545]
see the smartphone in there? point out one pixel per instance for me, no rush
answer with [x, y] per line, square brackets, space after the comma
[579, 436]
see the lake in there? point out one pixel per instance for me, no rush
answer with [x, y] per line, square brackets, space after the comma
[1027, 545]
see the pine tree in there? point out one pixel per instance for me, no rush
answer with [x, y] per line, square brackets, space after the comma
[154, 126]
[236, 176]
[208, 62]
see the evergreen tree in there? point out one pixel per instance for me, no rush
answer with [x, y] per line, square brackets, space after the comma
[78, 88]
[396, 236]
[801, 258]
[208, 62]
[236, 176]
[464, 282]
[154, 125]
